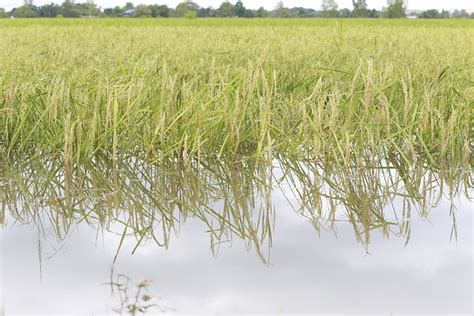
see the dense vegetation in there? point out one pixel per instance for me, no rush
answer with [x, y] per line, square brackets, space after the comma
[189, 9]
[238, 88]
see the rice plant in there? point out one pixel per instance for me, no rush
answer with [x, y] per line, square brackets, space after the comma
[253, 89]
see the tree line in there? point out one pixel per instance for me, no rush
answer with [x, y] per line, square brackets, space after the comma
[190, 9]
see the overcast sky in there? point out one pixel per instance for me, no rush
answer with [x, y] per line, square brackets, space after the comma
[270, 4]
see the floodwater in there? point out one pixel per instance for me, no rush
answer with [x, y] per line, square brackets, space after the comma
[237, 238]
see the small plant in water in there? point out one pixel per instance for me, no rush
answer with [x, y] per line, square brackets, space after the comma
[134, 297]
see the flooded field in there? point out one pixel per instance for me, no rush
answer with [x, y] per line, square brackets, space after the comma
[236, 166]
[280, 237]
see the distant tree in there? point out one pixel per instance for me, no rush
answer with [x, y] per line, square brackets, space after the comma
[360, 9]
[154, 9]
[69, 9]
[250, 13]
[345, 13]
[304, 13]
[91, 7]
[299, 12]
[191, 15]
[206, 12]
[460, 14]
[374, 14]
[49, 10]
[184, 7]
[117, 11]
[109, 12]
[3, 14]
[226, 9]
[203, 12]
[30, 3]
[114, 12]
[159, 10]
[282, 12]
[142, 11]
[128, 6]
[396, 9]
[445, 14]
[164, 11]
[430, 14]
[262, 13]
[329, 9]
[239, 9]
[25, 11]
[87, 9]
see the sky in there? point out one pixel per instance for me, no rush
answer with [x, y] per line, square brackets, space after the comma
[270, 4]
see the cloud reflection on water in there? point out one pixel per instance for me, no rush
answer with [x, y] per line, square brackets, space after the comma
[308, 270]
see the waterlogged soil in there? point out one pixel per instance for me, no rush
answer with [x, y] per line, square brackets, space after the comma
[237, 240]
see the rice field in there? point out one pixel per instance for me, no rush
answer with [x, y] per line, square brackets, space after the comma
[238, 89]
[139, 145]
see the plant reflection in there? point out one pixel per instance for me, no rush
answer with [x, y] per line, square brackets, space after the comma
[233, 199]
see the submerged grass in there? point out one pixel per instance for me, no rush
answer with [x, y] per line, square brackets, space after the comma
[307, 89]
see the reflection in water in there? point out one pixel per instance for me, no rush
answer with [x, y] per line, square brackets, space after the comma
[134, 297]
[234, 200]
[139, 206]
[149, 202]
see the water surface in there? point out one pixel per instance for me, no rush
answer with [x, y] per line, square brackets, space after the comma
[237, 238]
